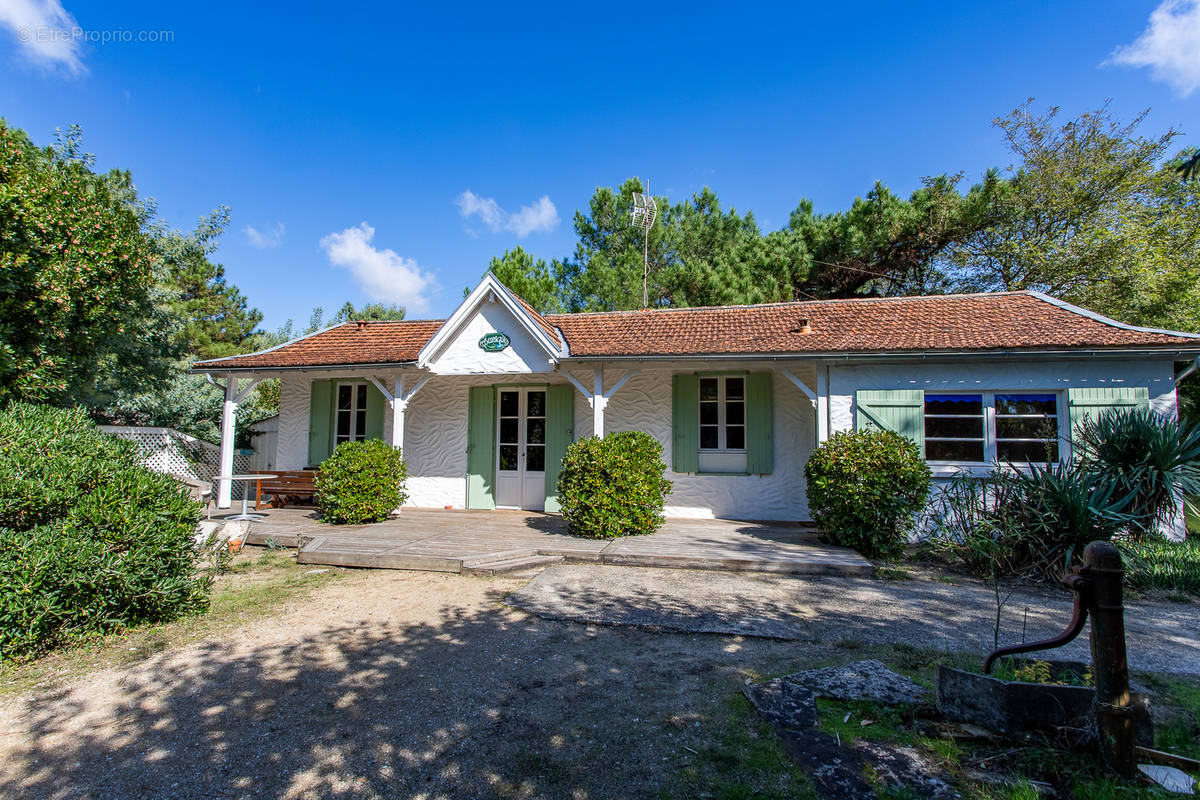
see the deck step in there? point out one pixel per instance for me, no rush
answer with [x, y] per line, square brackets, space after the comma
[510, 565]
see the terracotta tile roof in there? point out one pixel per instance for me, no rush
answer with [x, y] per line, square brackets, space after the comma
[537, 317]
[1016, 320]
[348, 343]
[982, 322]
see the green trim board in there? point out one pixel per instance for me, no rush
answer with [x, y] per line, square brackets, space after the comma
[760, 424]
[1089, 402]
[560, 432]
[899, 410]
[685, 422]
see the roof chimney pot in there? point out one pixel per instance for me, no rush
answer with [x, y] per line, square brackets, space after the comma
[804, 326]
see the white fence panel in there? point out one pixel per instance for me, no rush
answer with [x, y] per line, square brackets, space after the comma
[176, 453]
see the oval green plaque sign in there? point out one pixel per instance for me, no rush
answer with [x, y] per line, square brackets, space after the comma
[493, 342]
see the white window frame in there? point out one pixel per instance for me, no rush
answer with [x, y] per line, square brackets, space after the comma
[723, 459]
[355, 434]
[990, 449]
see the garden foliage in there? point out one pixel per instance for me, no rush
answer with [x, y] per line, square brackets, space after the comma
[361, 482]
[90, 540]
[613, 486]
[865, 489]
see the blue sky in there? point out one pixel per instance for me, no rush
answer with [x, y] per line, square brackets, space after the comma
[345, 139]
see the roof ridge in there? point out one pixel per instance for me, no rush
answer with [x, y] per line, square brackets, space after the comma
[780, 303]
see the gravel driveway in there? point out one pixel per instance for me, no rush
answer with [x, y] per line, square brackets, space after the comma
[1161, 637]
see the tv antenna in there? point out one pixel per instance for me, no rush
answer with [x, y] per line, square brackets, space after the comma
[644, 212]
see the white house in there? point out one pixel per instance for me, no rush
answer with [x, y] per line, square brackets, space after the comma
[485, 403]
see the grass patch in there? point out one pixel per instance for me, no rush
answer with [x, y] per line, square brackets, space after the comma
[893, 574]
[736, 756]
[1163, 565]
[256, 584]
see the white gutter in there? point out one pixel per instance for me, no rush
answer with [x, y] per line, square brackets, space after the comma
[1188, 370]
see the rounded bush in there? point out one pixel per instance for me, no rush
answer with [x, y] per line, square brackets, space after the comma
[361, 482]
[90, 540]
[865, 489]
[613, 486]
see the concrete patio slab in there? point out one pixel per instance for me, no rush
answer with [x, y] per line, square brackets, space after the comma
[490, 541]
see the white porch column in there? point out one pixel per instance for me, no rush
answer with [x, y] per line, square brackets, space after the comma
[228, 409]
[599, 401]
[822, 404]
[398, 404]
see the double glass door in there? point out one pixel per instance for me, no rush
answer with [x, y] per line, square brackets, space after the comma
[521, 448]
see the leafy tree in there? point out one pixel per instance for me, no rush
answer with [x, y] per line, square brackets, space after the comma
[77, 274]
[372, 312]
[215, 319]
[530, 278]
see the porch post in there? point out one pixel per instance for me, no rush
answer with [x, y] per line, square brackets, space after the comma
[228, 409]
[398, 403]
[822, 403]
[599, 401]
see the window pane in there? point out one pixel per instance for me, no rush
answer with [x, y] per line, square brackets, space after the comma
[708, 388]
[508, 456]
[344, 396]
[953, 451]
[535, 458]
[360, 424]
[954, 404]
[535, 431]
[735, 388]
[362, 396]
[735, 413]
[343, 423]
[708, 413]
[510, 404]
[708, 437]
[508, 430]
[735, 437]
[537, 404]
[1027, 451]
[1026, 428]
[1026, 404]
[954, 427]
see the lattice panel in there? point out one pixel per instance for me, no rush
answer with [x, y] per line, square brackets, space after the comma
[176, 453]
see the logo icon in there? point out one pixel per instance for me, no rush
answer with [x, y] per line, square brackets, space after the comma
[494, 342]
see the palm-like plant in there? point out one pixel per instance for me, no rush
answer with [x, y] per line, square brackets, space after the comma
[1150, 458]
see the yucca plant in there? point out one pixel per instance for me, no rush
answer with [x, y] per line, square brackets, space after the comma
[1150, 458]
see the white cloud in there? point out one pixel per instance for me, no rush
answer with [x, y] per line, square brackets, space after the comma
[540, 216]
[266, 238]
[383, 274]
[46, 33]
[1170, 46]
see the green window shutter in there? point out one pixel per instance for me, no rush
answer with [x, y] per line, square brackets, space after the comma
[481, 447]
[685, 422]
[899, 410]
[375, 406]
[320, 414]
[560, 432]
[1089, 402]
[760, 415]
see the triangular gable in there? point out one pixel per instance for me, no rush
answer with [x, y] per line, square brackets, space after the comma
[534, 344]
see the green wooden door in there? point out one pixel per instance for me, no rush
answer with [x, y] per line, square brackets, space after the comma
[560, 432]
[481, 448]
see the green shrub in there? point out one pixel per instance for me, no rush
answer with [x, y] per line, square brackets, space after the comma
[1143, 455]
[1032, 522]
[361, 482]
[1164, 565]
[90, 540]
[865, 489]
[613, 486]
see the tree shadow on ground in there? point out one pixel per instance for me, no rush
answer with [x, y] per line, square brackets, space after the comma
[486, 703]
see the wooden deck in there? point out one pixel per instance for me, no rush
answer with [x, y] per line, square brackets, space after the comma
[490, 542]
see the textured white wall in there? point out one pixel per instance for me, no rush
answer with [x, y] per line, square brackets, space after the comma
[436, 437]
[462, 355]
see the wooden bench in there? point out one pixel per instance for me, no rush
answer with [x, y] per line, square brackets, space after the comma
[288, 486]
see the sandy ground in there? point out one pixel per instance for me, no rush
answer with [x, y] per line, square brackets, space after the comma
[387, 684]
[927, 613]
